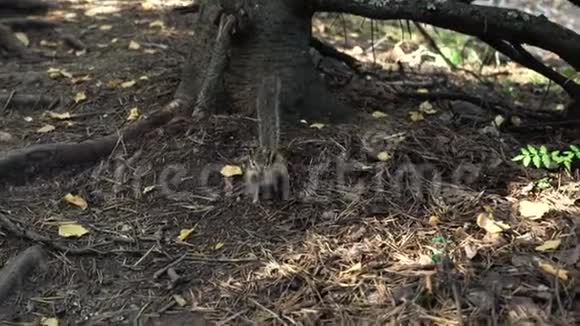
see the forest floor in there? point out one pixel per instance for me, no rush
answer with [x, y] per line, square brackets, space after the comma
[489, 240]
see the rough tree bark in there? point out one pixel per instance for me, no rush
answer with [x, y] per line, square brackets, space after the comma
[275, 40]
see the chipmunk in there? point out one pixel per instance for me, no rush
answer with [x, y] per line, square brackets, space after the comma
[267, 170]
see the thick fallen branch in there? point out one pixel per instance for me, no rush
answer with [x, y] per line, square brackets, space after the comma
[30, 101]
[16, 271]
[495, 23]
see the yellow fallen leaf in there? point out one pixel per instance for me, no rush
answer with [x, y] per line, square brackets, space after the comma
[427, 108]
[498, 120]
[149, 189]
[106, 27]
[59, 116]
[219, 245]
[384, 156]
[379, 114]
[128, 84]
[45, 129]
[157, 23]
[533, 210]
[184, 233]
[80, 96]
[80, 80]
[552, 270]
[516, 121]
[180, 300]
[71, 230]
[66, 73]
[56, 73]
[23, 38]
[113, 83]
[416, 116]
[114, 40]
[549, 245]
[485, 221]
[48, 321]
[231, 170]
[423, 91]
[317, 125]
[133, 114]
[48, 44]
[434, 220]
[76, 200]
[353, 269]
[143, 78]
[134, 45]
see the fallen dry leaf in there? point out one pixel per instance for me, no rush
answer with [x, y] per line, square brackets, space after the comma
[549, 245]
[498, 120]
[184, 233]
[48, 321]
[231, 170]
[317, 125]
[133, 114]
[76, 200]
[79, 80]
[427, 108]
[157, 23]
[106, 27]
[23, 38]
[59, 116]
[532, 210]
[485, 221]
[423, 91]
[46, 128]
[179, 300]
[134, 45]
[416, 116]
[71, 230]
[353, 269]
[128, 84]
[80, 96]
[379, 114]
[219, 245]
[434, 220]
[552, 270]
[384, 156]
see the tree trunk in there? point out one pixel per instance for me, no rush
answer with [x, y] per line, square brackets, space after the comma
[275, 40]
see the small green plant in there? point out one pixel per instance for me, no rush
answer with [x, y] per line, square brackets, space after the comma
[439, 241]
[543, 183]
[542, 157]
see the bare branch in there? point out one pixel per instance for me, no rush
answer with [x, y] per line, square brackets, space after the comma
[511, 25]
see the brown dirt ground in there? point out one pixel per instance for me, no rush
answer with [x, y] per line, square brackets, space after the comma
[333, 257]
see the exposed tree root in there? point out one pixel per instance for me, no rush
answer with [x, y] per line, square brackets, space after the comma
[15, 100]
[10, 46]
[40, 158]
[23, 24]
[23, 7]
[18, 269]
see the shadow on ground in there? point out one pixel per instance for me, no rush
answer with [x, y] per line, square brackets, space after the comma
[361, 240]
